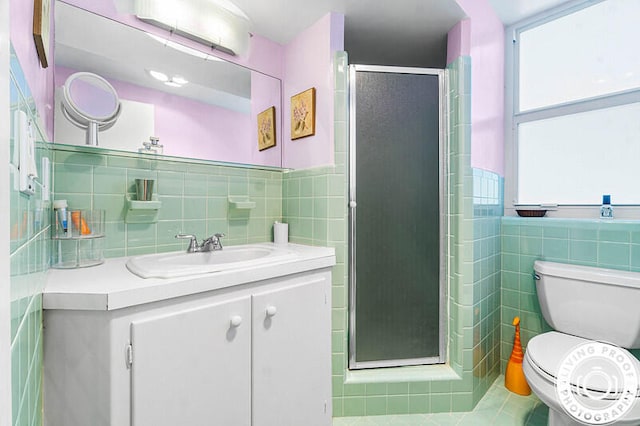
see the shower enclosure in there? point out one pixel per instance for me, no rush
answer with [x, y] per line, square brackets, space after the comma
[397, 223]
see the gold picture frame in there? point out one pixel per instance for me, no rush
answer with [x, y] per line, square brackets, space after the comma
[303, 114]
[41, 29]
[267, 129]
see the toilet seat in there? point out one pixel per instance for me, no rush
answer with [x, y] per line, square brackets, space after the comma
[546, 351]
[541, 364]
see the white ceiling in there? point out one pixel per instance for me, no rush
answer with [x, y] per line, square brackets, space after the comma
[512, 11]
[399, 32]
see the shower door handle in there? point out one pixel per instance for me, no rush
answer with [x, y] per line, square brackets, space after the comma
[353, 204]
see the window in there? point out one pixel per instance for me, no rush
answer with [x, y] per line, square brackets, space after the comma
[573, 110]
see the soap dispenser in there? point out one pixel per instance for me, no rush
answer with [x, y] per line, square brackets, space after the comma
[606, 211]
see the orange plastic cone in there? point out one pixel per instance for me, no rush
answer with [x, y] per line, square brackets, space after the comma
[514, 379]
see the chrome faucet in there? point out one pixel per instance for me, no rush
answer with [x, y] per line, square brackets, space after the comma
[212, 243]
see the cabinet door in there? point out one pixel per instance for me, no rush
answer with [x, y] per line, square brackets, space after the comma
[292, 355]
[193, 367]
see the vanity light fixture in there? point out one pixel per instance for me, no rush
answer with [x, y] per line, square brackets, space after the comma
[218, 24]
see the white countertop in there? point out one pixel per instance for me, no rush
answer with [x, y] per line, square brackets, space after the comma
[112, 286]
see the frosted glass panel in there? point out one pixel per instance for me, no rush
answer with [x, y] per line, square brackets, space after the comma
[589, 53]
[397, 217]
[576, 158]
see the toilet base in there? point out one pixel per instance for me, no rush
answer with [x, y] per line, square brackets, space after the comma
[561, 419]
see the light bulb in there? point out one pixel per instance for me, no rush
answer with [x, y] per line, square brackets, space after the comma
[158, 75]
[179, 79]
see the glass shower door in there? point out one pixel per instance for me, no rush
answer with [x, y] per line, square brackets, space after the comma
[396, 217]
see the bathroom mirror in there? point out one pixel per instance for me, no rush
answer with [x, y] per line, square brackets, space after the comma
[90, 103]
[198, 105]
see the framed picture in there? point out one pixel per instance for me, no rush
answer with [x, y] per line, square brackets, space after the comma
[303, 114]
[41, 19]
[267, 128]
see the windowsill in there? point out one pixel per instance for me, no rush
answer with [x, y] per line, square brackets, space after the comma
[621, 214]
[421, 373]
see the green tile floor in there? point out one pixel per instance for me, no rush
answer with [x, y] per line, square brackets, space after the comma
[498, 407]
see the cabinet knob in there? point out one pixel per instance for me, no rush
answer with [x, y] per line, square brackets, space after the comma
[271, 311]
[236, 320]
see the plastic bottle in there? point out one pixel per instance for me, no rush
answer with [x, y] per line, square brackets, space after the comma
[606, 211]
[80, 223]
[60, 207]
[514, 378]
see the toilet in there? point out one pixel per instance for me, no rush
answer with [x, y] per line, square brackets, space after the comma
[580, 370]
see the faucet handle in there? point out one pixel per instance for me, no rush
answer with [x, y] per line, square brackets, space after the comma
[193, 244]
[215, 241]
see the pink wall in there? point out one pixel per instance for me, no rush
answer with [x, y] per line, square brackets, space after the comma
[459, 40]
[485, 33]
[308, 63]
[40, 80]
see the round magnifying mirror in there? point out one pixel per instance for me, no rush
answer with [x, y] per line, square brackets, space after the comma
[91, 103]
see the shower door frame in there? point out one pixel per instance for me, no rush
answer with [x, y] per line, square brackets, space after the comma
[443, 149]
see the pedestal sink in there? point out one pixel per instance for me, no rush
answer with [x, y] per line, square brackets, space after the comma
[178, 264]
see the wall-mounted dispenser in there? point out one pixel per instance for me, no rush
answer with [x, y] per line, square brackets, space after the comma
[45, 171]
[24, 153]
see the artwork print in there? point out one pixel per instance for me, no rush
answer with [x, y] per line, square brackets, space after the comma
[267, 128]
[303, 114]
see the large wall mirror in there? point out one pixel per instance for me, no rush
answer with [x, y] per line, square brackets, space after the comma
[199, 106]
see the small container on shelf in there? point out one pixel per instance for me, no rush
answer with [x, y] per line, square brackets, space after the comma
[79, 224]
[78, 238]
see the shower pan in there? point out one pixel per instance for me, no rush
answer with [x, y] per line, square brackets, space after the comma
[397, 216]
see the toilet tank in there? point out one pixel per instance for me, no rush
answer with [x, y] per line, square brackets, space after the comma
[594, 303]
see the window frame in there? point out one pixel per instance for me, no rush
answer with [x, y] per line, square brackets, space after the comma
[514, 117]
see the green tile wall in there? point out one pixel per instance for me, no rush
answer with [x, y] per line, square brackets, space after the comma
[460, 237]
[194, 198]
[474, 357]
[487, 211]
[607, 244]
[29, 254]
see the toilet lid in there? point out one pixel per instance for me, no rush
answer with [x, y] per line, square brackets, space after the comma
[549, 351]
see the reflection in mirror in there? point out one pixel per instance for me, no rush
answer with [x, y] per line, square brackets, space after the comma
[90, 103]
[199, 106]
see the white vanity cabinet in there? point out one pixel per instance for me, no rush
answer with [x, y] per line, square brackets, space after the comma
[192, 365]
[255, 354]
[291, 331]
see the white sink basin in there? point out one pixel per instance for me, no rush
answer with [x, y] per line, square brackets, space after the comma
[180, 264]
